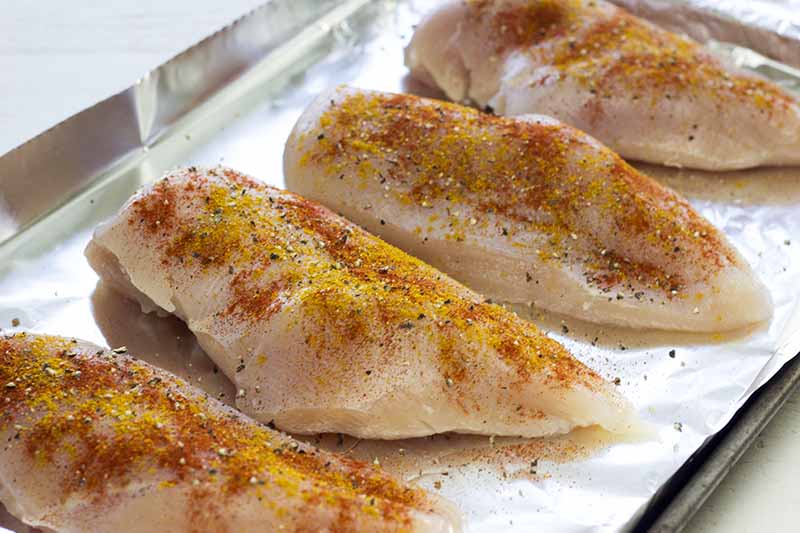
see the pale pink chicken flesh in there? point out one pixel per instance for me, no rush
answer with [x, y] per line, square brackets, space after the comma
[325, 328]
[649, 94]
[94, 440]
[525, 210]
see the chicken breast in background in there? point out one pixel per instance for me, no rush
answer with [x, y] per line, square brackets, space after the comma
[96, 441]
[523, 210]
[325, 328]
[649, 94]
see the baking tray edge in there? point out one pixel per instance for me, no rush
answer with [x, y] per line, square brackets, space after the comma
[679, 500]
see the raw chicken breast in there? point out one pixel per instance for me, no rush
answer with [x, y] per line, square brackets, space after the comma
[523, 210]
[93, 440]
[647, 93]
[325, 328]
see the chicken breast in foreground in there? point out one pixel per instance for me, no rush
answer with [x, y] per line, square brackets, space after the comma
[93, 440]
[326, 328]
[647, 93]
[523, 210]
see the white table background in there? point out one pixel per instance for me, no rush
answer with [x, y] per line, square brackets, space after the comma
[58, 57]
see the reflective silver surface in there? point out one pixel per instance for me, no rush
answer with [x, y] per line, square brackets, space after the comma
[770, 27]
[232, 100]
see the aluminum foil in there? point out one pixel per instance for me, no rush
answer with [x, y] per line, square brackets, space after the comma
[233, 100]
[769, 27]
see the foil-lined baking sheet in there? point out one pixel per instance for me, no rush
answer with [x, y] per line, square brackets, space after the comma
[769, 27]
[232, 100]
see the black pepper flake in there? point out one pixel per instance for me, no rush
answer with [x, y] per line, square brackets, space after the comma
[274, 256]
[672, 353]
[617, 381]
[564, 329]
[528, 277]
[369, 372]
[320, 136]
[406, 325]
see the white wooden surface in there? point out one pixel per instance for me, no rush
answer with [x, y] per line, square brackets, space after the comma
[58, 57]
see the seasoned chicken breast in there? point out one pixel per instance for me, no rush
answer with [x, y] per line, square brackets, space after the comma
[647, 93]
[94, 440]
[523, 210]
[325, 328]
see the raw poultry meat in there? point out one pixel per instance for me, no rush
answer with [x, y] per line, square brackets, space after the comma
[649, 94]
[325, 328]
[94, 440]
[523, 210]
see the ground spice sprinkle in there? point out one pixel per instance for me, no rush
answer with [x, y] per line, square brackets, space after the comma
[532, 182]
[355, 291]
[610, 51]
[103, 420]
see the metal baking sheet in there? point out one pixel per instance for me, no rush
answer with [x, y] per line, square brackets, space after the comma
[689, 488]
[232, 100]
